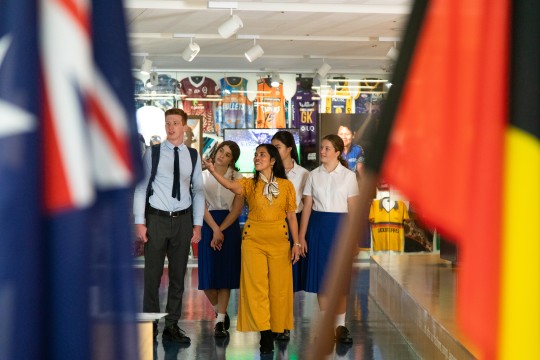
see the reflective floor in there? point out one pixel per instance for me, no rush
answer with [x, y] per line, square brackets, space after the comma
[374, 336]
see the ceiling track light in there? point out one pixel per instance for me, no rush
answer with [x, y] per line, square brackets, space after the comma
[275, 80]
[324, 69]
[231, 26]
[319, 81]
[146, 66]
[153, 80]
[393, 53]
[191, 51]
[255, 52]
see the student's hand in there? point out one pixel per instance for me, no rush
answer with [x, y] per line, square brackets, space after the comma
[196, 234]
[304, 247]
[295, 254]
[209, 165]
[140, 232]
[217, 240]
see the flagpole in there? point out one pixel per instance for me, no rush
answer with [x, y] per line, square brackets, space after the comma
[374, 158]
[340, 265]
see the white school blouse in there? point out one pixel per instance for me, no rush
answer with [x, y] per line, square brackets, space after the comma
[298, 176]
[216, 195]
[331, 190]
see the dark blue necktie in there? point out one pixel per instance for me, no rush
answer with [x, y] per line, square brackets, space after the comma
[176, 180]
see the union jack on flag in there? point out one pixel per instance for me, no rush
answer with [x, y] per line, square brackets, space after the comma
[68, 164]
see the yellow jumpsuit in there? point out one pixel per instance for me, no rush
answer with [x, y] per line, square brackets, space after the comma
[266, 289]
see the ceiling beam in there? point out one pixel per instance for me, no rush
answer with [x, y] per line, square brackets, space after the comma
[164, 5]
[323, 8]
[350, 8]
[139, 35]
[241, 56]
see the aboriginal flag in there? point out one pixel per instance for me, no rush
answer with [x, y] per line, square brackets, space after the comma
[460, 137]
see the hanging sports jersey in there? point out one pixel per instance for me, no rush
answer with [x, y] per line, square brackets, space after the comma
[387, 225]
[368, 103]
[234, 110]
[371, 97]
[305, 111]
[270, 105]
[199, 87]
[339, 100]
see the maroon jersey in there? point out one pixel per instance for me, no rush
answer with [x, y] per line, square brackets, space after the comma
[192, 88]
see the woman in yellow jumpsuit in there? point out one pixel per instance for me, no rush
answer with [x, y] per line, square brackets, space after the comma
[266, 292]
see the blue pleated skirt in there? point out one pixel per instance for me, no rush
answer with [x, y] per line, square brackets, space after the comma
[321, 236]
[220, 269]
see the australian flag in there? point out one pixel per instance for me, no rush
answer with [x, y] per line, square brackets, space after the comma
[68, 164]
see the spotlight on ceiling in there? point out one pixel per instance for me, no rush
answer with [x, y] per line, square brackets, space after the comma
[319, 80]
[393, 53]
[324, 69]
[146, 66]
[254, 53]
[230, 27]
[154, 78]
[191, 51]
[275, 80]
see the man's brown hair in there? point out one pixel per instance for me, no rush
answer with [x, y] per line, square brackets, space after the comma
[175, 111]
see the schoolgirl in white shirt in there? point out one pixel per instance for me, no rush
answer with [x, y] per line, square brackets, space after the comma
[219, 248]
[328, 196]
[284, 142]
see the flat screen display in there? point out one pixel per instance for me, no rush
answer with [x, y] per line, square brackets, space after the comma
[249, 139]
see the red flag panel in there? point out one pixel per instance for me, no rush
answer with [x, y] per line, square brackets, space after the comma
[445, 151]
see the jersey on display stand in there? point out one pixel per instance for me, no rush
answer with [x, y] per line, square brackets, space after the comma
[270, 105]
[199, 87]
[235, 110]
[387, 217]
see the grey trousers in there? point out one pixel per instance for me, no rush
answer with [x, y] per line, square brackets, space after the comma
[171, 237]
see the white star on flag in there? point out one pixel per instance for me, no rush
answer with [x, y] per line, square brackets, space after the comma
[13, 120]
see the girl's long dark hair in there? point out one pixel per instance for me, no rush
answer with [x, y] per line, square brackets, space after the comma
[278, 169]
[288, 140]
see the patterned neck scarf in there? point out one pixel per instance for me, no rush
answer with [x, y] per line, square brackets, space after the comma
[270, 188]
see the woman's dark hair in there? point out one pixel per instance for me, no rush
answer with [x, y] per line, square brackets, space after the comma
[288, 140]
[235, 152]
[278, 169]
[338, 145]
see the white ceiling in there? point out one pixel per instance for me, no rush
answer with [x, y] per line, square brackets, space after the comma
[353, 36]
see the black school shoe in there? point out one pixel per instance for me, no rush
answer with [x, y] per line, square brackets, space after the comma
[175, 334]
[219, 330]
[284, 336]
[343, 336]
[342, 349]
[227, 321]
[267, 342]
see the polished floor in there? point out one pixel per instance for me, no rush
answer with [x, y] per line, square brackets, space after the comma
[374, 336]
[417, 292]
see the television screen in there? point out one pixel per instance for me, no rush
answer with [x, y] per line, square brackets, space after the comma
[249, 139]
